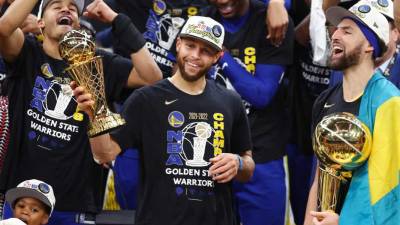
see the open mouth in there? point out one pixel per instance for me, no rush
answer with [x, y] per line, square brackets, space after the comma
[337, 50]
[64, 20]
[227, 8]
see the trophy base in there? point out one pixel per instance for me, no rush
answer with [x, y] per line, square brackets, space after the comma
[196, 163]
[105, 124]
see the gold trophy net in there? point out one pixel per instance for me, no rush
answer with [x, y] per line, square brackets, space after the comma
[78, 48]
[342, 143]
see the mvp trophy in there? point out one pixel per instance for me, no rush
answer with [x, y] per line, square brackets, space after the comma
[342, 143]
[77, 47]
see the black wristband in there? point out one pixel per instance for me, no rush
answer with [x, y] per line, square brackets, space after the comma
[126, 34]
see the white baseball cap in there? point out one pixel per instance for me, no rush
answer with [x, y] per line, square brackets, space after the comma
[385, 7]
[364, 13]
[35, 189]
[79, 4]
[204, 29]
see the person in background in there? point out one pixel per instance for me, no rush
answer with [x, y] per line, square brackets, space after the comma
[254, 67]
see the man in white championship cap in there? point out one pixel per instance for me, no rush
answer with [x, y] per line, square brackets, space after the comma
[192, 135]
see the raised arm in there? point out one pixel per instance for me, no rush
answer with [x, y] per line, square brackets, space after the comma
[302, 31]
[12, 37]
[277, 20]
[145, 70]
[258, 90]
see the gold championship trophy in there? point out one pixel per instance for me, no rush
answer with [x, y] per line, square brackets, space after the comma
[342, 143]
[78, 48]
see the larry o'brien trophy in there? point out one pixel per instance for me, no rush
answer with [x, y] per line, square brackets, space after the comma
[78, 48]
[342, 143]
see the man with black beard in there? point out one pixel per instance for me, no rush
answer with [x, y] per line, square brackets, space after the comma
[362, 35]
[192, 135]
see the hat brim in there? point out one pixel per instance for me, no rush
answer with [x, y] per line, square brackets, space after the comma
[21, 192]
[336, 14]
[216, 47]
[80, 4]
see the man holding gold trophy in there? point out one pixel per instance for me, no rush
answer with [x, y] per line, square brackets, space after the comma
[49, 135]
[357, 128]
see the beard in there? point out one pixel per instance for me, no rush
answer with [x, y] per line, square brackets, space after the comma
[346, 60]
[191, 78]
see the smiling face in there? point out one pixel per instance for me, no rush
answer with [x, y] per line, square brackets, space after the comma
[59, 16]
[31, 211]
[195, 58]
[348, 46]
[231, 8]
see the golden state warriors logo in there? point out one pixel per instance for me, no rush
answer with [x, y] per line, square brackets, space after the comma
[159, 7]
[46, 70]
[176, 119]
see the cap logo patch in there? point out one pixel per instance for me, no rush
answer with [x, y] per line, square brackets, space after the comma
[44, 188]
[383, 3]
[203, 30]
[217, 30]
[364, 8]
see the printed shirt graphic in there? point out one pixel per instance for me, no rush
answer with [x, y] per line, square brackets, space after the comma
[176, 135]
[315, 78]
[52, 116]
[191, 142]
[163, 25]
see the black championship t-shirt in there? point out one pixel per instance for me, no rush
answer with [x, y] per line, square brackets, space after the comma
[249, 46]
[49, 138]
[307, 81]
[162, 23]
[176, 135]
[332, 101]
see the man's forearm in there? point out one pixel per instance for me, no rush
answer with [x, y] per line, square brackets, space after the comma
[104, 148]
[246, 172]
[145, 70]
[15, 15]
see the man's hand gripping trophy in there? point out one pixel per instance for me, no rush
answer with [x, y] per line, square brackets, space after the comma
[77, 47]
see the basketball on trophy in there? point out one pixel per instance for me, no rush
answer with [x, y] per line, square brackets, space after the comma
[203, 130]
[77, 46]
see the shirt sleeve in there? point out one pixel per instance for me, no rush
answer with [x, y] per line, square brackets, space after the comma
[240, 139]
[116, 71]
[129, 135]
